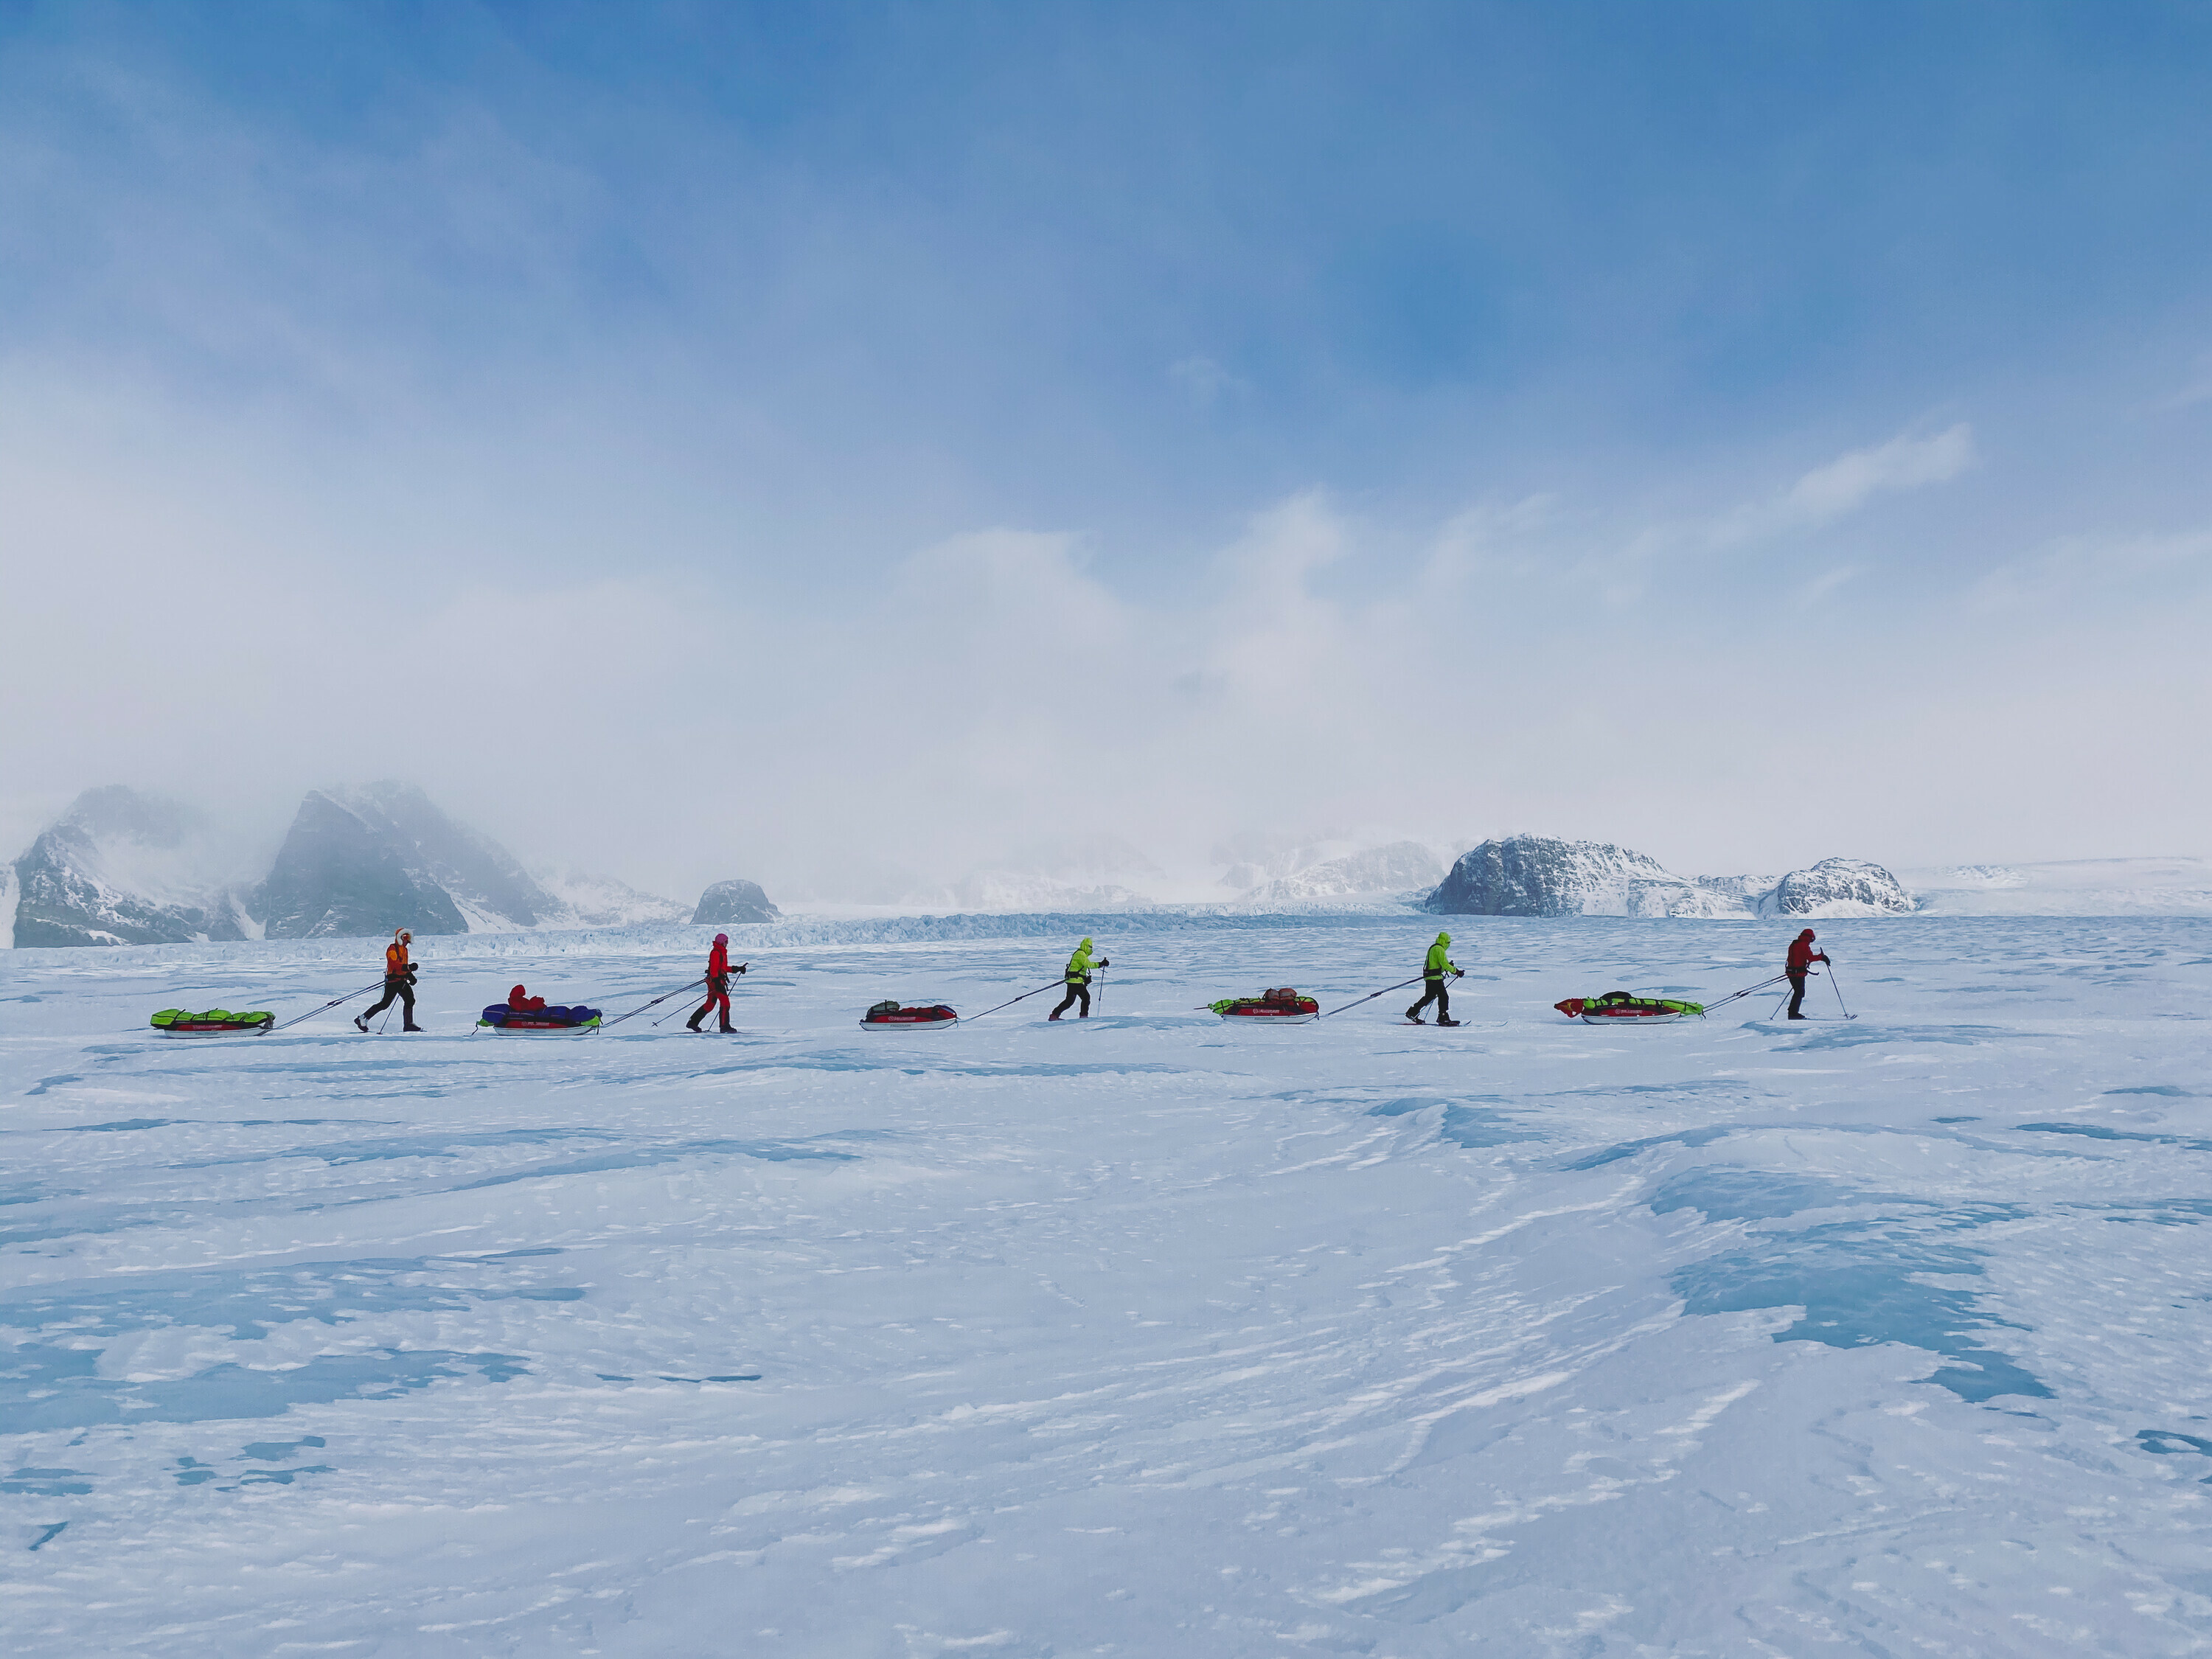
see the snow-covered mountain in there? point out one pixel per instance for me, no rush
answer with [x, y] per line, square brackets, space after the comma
[122, 867]
[119, 867]
[1402, 866]
[1538, 875]
[1254, 858]
[590, 901]
[1839, 887]
[364, 861]
[1085, 872]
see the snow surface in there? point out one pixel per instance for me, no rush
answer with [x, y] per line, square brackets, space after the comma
[2074, 887]
[1147, 1335]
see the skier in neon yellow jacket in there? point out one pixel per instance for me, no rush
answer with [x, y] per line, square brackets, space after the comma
[1079, 981]
[1436, 973]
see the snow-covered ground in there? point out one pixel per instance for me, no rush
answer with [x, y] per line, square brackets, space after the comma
[1148, 1336]
[2073, 887]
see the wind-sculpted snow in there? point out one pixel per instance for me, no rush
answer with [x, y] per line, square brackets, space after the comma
[1147, 1334]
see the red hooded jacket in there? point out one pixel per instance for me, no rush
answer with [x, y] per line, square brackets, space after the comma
[1801, 953]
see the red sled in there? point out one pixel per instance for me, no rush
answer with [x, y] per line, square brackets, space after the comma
[1283, 1003]
[892, 1016]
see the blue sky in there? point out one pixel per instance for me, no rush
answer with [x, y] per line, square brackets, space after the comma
[1481, 372]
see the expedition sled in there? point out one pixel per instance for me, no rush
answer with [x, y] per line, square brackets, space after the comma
[1282, 1003]
[215, 1022]
[1625, 1008]
[538, 1022]
[890, 1015]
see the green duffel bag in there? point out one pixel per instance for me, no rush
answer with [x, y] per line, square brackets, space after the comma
[169, 1017]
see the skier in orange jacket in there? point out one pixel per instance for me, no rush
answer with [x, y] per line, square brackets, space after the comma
[399, 981]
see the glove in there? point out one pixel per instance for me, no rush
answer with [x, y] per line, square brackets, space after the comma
[741, 966]
[1103, 962]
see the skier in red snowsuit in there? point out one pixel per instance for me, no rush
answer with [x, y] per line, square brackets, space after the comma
[717, 984]
[1803, 955]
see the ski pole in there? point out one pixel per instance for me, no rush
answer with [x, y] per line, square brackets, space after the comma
[1102, 990]
[673, 1013]
[1384, 992]
[679, 1008]
[1748, 991]
[1839, 990]
[1024, 997]
[655, 1003]
[327, 1007]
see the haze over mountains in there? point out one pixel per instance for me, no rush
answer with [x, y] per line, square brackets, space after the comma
[121, 868]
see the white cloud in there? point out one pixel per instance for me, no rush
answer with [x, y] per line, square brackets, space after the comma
[1204, 380]
[1850, 481]
[2092, 572]
[1815, 592]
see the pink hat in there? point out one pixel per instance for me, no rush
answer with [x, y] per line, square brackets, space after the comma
[721, 938]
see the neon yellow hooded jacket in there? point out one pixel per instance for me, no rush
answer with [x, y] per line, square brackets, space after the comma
[1438, 964]
[1079, 966]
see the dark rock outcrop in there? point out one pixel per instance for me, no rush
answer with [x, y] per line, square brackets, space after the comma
[728, 902]
[121, 868]
[364, 861]
[336, 877]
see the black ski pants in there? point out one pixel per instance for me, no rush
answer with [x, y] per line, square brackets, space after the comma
[1076, 992]
[1796, 993]
[1432, 990]
[405, 990]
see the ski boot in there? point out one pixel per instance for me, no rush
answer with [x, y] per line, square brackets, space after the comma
[1413, 1016]
[1446, 1020]
[410, 1027]
[360, 1022]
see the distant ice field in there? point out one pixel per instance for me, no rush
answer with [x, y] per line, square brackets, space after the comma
[1152, 1335]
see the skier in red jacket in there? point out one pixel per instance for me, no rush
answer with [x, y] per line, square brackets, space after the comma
[1803, 955]
[717, 984]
